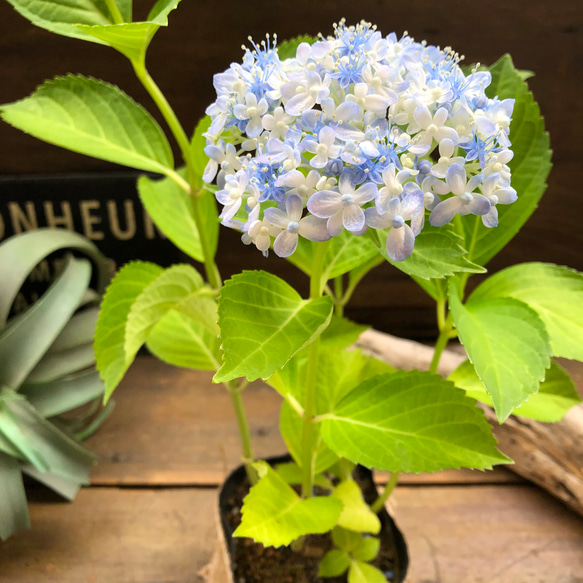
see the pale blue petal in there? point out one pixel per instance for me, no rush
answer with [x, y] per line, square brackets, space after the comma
[445, 211]
[400, 243]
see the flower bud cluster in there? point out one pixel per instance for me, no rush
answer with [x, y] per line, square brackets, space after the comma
[357, 131]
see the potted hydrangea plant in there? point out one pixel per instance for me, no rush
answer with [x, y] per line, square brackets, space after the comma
[338, 153]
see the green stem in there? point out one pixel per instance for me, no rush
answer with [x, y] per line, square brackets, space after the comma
[316, 288]
[244, 432]
[211, 269]
[165, 109]
[442, 340]
[381, 500]
[338, 291]
[114, 11]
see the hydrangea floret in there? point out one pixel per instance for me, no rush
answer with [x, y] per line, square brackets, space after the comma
[368, 131]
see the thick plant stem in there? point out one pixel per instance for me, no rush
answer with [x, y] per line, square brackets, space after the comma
[211, 269]
[442, 340]
[338, 297]
[380, 501]
[316, 288]
[114, 11]
[244, 432]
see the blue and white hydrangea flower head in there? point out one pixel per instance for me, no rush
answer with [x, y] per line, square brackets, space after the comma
[356, 131]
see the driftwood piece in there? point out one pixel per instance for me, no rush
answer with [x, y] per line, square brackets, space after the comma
[551, 455]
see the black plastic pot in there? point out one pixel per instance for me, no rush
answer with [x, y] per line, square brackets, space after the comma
[222, 569]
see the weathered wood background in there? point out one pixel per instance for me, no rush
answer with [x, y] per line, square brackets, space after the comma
[543, 36]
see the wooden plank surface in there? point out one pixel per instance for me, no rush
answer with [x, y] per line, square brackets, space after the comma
[174, 427]
[469, 534]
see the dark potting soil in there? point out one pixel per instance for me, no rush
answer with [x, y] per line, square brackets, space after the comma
[255, 563]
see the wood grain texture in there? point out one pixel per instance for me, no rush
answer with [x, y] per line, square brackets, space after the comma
[470, 534]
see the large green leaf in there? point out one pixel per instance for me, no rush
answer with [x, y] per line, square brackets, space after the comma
[179, 340]
[411, 422]
[19, 255]
[93, 118]
[264, 322]
[133, 38]
[530, 166]
[13, 507]
[165, 291]
[508, 345]
[338, 372]
[345, 252]
[126, 287]
[555, 293]
[171, 209]
[61, 17]
[161, 295]
[273, 514]
[341, 333]
[25, 340]
[555, 396]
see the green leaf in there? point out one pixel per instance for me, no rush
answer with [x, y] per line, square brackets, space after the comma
[13, 507]
[19, 255]
[65, 487]
[93, 118]
[197, 146]
[80, 330]
[174, 288]
[292, 474]
[164, 293]
[345, 253]
[334, 563]
[264, 322]
[133, 38]
[507, 344]
[367, 549]
[171, 209]
[24, 341]
[201, 307]
[62, 17]
[54, 398]
[341, 333]
[290, 427]
[54, 451]
[55, 365]
[530, 166]
[437, 254]
[338, 372]
[347, 540]
[356, 514]
[554, 292]
[555, 396]
[411, 422]
[287, 49]
[274, 515]
[360, 572]
[181, 341]
[124, 290]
